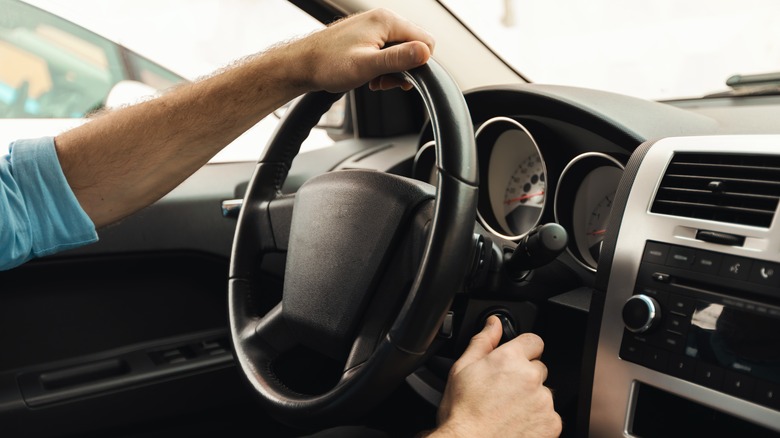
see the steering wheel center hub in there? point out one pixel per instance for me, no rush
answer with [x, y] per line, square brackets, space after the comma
[343, 230]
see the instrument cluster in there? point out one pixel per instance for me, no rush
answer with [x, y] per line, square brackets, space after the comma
[515, 187]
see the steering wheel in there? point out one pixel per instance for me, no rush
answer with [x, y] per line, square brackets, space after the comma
[373, 261]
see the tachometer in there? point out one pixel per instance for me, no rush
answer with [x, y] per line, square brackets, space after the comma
[513, 175]
[583, 203]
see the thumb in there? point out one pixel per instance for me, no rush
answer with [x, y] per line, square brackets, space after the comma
[481, 344]
[402, 57]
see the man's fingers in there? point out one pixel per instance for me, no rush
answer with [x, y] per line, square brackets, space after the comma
[366, 47]
[529, 345]
[401, 57]
[542, 370]
[397, 58]
[481, 344]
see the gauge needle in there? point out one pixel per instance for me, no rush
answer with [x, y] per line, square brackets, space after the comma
[524, 197]
[597, 232]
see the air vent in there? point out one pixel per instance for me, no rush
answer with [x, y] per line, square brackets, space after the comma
[738, 189]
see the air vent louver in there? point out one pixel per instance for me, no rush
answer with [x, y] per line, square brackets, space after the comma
[738, 189]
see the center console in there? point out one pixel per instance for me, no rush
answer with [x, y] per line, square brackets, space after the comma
[689, 338]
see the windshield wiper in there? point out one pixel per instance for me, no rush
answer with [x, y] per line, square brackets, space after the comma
[763, 84]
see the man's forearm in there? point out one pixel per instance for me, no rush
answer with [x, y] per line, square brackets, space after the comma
[124, 160]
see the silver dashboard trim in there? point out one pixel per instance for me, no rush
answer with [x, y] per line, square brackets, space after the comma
[614, 379]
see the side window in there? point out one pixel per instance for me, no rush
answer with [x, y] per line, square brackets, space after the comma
[54, 67]
[143, 70]
[51, 68]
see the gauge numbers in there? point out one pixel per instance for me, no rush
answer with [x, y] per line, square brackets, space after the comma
[525, 190]
[597, 226]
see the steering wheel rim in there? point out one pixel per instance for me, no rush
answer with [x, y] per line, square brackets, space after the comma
[259, 339]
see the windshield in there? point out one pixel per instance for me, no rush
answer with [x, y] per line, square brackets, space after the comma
[660, 50]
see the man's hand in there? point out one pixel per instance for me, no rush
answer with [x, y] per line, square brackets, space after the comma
[498, 392]
[363, 48]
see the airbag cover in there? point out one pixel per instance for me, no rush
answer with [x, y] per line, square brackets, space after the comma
[343, 228]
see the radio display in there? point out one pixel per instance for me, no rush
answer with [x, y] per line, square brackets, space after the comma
[735, 339]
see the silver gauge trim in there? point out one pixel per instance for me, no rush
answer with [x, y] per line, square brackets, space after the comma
[416, 172]
[569, 165]
[423, 148]
[517, 124]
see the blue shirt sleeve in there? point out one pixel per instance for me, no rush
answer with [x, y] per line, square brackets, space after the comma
[39, 214]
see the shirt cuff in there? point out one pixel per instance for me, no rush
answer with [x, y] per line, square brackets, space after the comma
[56, 218]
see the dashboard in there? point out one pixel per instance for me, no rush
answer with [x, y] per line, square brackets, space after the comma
[668, 237]
[595, 163]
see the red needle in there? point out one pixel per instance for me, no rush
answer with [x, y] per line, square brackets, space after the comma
[524, 197]
[597, 232]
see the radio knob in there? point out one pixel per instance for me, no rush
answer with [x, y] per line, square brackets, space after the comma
[641, 313]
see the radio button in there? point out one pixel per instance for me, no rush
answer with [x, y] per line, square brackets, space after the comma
[656, 359]
[707, 262]
[681, 305]
[737, 268]
[738, 384]
[655, 253]
[681, 366]
[767, 394]
[677, 323]
[673, 342]
[765, 273]
[661, 277]
[660, 295]
[680, 257]
[631, 350]
[708, 375]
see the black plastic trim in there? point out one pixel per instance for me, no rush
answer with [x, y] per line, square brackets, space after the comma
[125, 368]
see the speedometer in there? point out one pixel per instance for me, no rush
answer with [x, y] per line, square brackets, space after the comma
[524, 196]
[513, 188]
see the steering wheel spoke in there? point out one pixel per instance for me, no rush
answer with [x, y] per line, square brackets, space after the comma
[272, 332]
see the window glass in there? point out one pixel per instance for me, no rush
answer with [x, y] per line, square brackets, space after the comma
[150, 73]
[50, 68]
[59, 59]
[661, 49]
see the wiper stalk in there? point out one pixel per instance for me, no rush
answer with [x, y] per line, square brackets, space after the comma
[763, 84]
[737, 81]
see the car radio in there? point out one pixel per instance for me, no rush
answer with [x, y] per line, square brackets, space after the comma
[708, 318]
